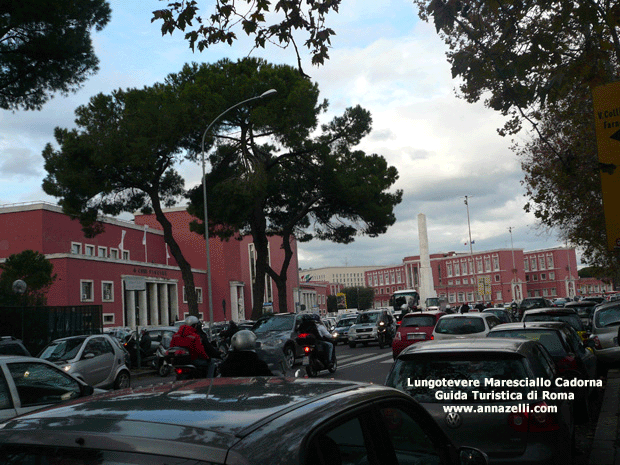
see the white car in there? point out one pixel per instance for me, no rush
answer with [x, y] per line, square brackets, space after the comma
[28, 383]
[462, 326]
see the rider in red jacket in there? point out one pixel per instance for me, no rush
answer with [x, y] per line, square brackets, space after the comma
[187, 337]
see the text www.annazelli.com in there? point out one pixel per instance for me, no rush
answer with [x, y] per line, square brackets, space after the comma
[518, 408]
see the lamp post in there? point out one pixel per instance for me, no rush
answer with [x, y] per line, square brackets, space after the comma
[204, 196]
[471, 250]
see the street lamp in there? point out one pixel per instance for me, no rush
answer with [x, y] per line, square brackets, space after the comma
[204, 196]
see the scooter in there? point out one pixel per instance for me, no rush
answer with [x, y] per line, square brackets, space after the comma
[382, 336]
[180, 361]
[312, 360]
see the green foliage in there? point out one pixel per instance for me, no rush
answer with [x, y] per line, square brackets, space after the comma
[45, 47]
[276, 23]
[361, 298]
[31, 267]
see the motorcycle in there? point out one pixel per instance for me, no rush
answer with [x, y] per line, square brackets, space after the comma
[382, 335]
[181, 363]
[312, 359]
[160, 363]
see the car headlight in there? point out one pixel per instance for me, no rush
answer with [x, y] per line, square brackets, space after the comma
[66, 368]
[334, 334]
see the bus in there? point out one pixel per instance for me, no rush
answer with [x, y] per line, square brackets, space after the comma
[400, 298]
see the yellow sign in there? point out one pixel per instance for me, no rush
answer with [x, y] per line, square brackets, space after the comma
[606, 101]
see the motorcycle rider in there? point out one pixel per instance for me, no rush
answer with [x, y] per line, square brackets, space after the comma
[314, 326]
[188, 337]
[242, 359]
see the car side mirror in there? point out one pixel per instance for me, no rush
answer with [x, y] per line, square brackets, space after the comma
[88, 356]
[472, 456]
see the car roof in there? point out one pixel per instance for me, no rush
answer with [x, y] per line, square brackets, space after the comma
[429, 312]
[512, 345]
[209, 412]
[551, 311]
[467, 315]
[503, 309]
[555, 325]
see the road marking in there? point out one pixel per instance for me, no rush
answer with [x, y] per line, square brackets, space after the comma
[365, 360]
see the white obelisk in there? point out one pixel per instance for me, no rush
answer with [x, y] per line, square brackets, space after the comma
[427, 289]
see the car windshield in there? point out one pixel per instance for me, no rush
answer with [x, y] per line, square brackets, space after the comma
[367, 318]
[412, 374]
[572, 320]
[64, 349]
[460, 325]
[276, 323]
[346, 323]
[532, 303]
[418, 320]
[607, 317]
[549, 339]
[500, 314]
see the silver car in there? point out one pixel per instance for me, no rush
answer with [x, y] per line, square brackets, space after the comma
[465, 326]
[277, 333]
[236, 421]
[28, 383]
[605, 324]
[97, 360]
[492, 403]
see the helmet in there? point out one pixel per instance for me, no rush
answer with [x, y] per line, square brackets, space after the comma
[192, 320]
[243, 340]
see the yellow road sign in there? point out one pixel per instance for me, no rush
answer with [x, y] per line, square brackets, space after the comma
[606, 101]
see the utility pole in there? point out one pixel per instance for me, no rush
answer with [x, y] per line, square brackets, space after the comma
[471, 250]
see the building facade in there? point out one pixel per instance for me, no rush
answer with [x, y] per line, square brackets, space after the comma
[129, 271]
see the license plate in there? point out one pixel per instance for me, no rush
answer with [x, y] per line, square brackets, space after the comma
[305, 361]
[413, 336]
[364, 336]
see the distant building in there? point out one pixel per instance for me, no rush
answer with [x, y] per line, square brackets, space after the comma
[129, 271]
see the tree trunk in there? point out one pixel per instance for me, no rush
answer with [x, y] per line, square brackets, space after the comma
[281, 278]
[175, 250]
[258, 228]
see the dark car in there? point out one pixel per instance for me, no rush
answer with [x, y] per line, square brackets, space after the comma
[414, 327]
[565, 347]
[341, 330]
[585, 310]
[236, 420]
[278, 333]
[504, 315]
[12, 346]
[497, 417]
[530, 303]
[567, 315]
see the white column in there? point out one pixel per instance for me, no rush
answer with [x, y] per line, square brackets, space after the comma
[174, 301]
[427, 288]
[154, 301]
[131, 308]
[163, 303]
[142, 307]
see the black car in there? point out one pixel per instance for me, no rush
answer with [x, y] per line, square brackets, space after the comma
[531, 303]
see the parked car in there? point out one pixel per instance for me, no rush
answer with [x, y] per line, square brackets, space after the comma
[605, 324]
[97, 360]
[10, 345]
[28, 383]
[414, 327]
[503, 314]
[365, 328]
[559, 302]
[499, 420]
[278, 332]
[341, 330]
[567, 350]
[530, 303]
[468, 325]
[598, 299]
[236, 420]
[567, 315]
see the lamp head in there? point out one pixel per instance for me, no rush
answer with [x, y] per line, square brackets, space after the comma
[268, 93]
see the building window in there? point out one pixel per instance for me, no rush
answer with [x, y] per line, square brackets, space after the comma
[86, 288]
[487, 264]
[496, 278]
[89, 250]
[199, 294]
[479, 265]
[449, 269]
[125, 254]
[541, 261]
[76, 248]
[464, 267]
[545, 292]
[553, 292]
[498, 296]
[526, 264]
[457, 269]
[107, 291]
[399, 278]
[551, 275]
[451, 298]
[102, 252]
[535, 277]
[470, 297]
[381, 280]
[457, 282]
[549, 262]
[527, 278]
[450, 282]
[108, 318]
[543, 276]
[114, 254]
[495, 263]
[392, 278]
[533, 266]
[461, 297]
[466, 281]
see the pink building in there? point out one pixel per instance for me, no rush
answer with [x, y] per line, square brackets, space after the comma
[128, 270]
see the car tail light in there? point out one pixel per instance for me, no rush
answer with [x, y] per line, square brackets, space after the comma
[432, 337]
[597, 343]
[398, 336]
[534, 421]
[307, 349]
[568, 363]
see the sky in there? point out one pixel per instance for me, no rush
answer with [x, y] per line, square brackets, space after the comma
[383, 58]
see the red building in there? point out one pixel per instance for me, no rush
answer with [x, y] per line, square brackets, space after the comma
[129, 271]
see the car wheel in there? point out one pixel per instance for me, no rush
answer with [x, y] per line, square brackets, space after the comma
[334, 366]
[289, 356]
[122, 380]
[164, 370]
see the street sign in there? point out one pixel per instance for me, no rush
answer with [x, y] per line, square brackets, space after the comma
[606, 100]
